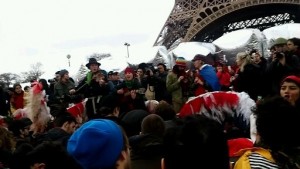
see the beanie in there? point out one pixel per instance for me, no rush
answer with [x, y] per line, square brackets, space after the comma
[292, 78]
[280, 41]
[96, 144]
[63, 72]
[180, 61]
[129, 70]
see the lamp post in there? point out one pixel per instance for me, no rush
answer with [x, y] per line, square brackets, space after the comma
[69, 56]
[127, 45]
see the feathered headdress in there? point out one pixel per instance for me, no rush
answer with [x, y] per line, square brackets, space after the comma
[219, 104]
[37, 109]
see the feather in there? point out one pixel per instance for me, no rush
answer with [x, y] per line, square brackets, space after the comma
[219, 104]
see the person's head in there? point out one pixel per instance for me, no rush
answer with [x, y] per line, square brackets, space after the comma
[199, 143]
[242, 59]
[100, 143]
[115, 76]
[20, 127]
[153, 124]
[290, 89]
[181, 63]
[276, 123]
[44, 83]
[165, 110]
[129, 73]
[280, 45]
[161, 67]
[66, 122]
[64, 75]
[293, 44]
[198, 60]
[26, 88]
[17, 88]
[49, 155]
[140, 72]
[255, 56]
[93, 65]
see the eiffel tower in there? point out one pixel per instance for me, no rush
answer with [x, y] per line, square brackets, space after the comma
[207, 20]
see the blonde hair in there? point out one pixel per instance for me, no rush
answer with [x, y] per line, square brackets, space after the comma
[245, 59]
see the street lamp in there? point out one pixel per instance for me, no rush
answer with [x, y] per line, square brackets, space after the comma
[69, 56]
[127, 45]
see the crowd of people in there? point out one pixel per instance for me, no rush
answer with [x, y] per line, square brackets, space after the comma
[131, 119]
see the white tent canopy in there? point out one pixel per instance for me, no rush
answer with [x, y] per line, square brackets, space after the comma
[189, 49]
[285, 31]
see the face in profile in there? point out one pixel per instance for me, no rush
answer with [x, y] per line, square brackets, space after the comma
[290, 91]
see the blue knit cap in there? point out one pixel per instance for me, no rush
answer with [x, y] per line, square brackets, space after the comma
[96, 144]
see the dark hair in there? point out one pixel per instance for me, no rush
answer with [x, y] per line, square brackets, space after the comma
[275, 119]
[296, 41]
[198, 135]
[62, 118]
[153, 124]
[163, 65]
[277, 123]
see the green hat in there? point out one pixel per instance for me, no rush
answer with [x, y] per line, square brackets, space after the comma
[280, 41]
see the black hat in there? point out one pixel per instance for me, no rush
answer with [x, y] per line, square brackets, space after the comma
[110, 73]
[92, 61]
[63, 72]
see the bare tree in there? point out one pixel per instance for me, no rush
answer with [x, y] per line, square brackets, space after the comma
[99, 56]
[7, 79]
[34, 73]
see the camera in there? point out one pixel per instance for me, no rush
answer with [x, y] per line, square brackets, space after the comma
[279, 55]
[51, 80]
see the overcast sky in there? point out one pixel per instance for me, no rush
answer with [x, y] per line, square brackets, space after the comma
[47, 31]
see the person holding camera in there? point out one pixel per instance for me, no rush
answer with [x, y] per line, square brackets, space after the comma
[282, 65]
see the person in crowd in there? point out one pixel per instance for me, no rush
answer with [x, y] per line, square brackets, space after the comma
[282, 65]
[7, 146]
[109, 109]
[64, 126]
[167, 113]
[26, 89]
[64, 87]
[93, 86]
[100, 143]
[18, 99]
[247, 77]
[198, 143]
[275, 146]
[161, 92]
[147, 147]
[4, 102]
[178, 84]
[223, 76]
[293, 46]
[146, 78]
[262, 63]
[131, 121]
[290, 90]
[207, 72]
[38, 158]
[128, 93]
[21, 130]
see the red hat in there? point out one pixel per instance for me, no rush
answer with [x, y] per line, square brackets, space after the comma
[292, 78]
[129, 70]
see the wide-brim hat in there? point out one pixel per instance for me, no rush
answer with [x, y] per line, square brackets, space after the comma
[92, 61]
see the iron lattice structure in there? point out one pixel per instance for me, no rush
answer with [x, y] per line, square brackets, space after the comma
[207, 20]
